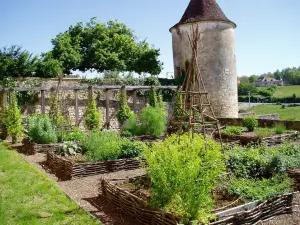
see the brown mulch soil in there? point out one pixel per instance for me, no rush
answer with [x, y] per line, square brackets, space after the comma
[85, 191]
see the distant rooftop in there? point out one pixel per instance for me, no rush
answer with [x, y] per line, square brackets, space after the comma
[203, 10]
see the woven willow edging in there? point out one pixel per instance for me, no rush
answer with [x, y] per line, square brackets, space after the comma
[245, 214]
[135, 206]
[31, 148]
[65, 169]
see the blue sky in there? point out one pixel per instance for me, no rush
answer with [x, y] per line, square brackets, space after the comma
[267, 33]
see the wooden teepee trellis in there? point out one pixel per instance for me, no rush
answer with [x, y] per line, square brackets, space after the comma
[194, 113]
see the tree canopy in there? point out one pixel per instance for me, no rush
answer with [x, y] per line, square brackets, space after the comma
[15, 62]
[104, 46]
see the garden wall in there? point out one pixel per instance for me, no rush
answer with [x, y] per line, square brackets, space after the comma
[102, 97]
[290, 125]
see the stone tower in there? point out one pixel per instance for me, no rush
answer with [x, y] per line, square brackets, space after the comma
[216, 53]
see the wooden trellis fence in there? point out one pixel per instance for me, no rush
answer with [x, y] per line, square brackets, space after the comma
[106, 88]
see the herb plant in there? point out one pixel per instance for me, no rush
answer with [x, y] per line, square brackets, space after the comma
[279, 129]
[41, 129]
[260, 189]
[232, 130]
[183, 173]
[69, 148]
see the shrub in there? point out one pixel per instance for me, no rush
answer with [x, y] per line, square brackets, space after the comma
[132, 127]
[41, 130]
[92, 116]
[124, 111]
[279, 129]
[104, 145]
[250, 123]
[255, 189]
[262, 160]
[131, 149]
[232, 130]
[69, 148]
[183, 173]
[153, 97]
[153, 121]
[76, 135]
[12, 119]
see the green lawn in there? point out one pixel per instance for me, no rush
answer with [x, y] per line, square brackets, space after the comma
[289, 113]
[285, 91]
[27, 196]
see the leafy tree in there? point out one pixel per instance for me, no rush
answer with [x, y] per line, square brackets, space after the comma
[47, 66]
[16, 62]
[243, 79]
[253, 78]
[99, 46]
[243, 89]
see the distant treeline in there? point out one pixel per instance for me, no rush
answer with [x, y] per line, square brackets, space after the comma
[289, 75]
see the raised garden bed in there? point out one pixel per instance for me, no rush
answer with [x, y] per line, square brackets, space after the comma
[249, 137]
[31, 148]
[249, 213]
[66, 169]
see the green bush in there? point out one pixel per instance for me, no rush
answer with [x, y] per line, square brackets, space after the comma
[69, 148]
[92, 116]
[132, 127]
[12, 119]
[104, 145]
[262, 160]
[130, 149]
[124, 111]
[232, 130]
[41, 130]
[183, 173]
[279, 129]
[76, 135]
[263, 189]
[250, 123]
[153, 121]
[108, 145]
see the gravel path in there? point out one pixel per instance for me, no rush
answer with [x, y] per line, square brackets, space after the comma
[85, 190]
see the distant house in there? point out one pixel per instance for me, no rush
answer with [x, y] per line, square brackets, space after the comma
[267, 81]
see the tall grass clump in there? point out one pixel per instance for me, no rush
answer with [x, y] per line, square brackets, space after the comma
[279, 129]
[183, 174]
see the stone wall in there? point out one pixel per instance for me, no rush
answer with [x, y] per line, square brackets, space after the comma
[68, 103]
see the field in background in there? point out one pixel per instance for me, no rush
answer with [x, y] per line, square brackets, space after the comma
[284, 91]
[288, 113]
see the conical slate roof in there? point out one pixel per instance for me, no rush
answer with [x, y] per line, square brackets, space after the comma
[203, 10]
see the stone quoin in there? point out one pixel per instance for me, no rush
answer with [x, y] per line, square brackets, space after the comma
[216, 53]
